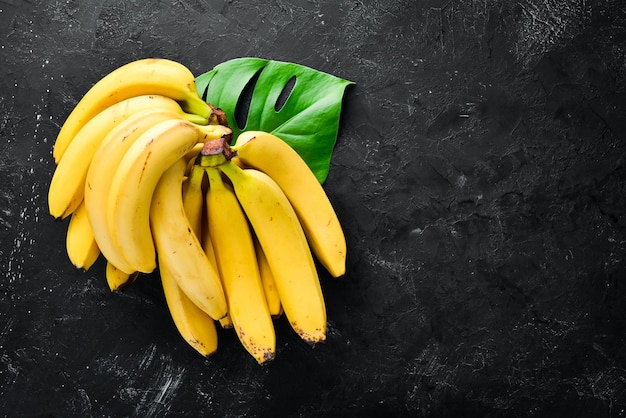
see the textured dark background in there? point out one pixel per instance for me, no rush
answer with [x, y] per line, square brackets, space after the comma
[479, 173]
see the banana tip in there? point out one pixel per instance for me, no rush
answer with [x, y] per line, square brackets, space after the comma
[267, 357]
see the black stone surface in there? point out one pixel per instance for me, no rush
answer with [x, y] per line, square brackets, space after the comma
[479, 172]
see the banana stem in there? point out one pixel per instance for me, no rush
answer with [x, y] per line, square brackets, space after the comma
[217, 116]
[197, 119]
[194, 104]
[215, 177]
[231, 169]
[209, 161]
[215, 152]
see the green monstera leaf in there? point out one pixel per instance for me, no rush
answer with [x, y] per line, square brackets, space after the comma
[298, 104]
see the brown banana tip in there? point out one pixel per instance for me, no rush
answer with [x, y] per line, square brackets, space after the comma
[213, 147]
[268, 356]
[217, 116]
[314, 341]
[120, 289]
[218, 146]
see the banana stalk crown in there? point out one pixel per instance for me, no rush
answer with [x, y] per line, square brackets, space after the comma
[215, 152]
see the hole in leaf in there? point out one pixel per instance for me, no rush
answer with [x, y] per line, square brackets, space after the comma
[243, 104]
[285, 93]
[205, 93]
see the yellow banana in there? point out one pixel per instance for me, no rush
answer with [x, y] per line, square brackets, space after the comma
[283, 164]
[193, 324]
[179, 248]
[283, 241]
[207, 246]
[226, 322]
[207, 242]
[80, 243]
[193, 199]
[101, 172]
[136, 177]
[67, 187]
[193, 202]
[267, 279]
[190, 158]
[141, 77]
[117, 279]
[238, 269]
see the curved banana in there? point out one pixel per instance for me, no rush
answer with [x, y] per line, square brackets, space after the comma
[207, 246]
[267, 279]
[190, 158]
[135, 179]
[238, 269]
[145, 76]
[80, 243]
[117, 279]
[281, 236]
[193, 324]
[193, 202]
[193, 199]
[67, 187]
[101, 171]
[207, 242]
[283, 164]
[179, 248]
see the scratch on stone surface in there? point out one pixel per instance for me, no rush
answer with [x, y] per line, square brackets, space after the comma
[397, 267]
[148, 357]
[8, 324]
[606, 384]
[543, 26]
[479, 357]
[13, 370]
[10, 371]
[166, 384]
[439, 11]
[150, 385]
[431, 368]
[84, 402]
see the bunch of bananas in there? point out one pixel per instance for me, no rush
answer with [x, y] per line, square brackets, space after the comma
[148, 177]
